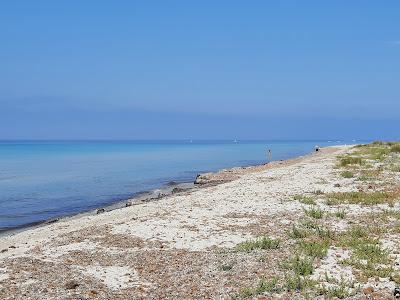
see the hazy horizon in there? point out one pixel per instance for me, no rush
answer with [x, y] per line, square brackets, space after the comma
[180, 70]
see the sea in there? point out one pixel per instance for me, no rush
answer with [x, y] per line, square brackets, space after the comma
[43, 180]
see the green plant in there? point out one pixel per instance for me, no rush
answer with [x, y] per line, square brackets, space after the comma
[347, 174]
[314, 248]
[269, 286]
[304, 199]
[300, 266]
[364, 198]
[314, 212]
[341, 214]
[373, 253]
[350, 160]
[262, 243]
[367, 254]
[341, 290]
[298, 283]
[226, 267]
[297, 233]
[395, 168]
[395, 148]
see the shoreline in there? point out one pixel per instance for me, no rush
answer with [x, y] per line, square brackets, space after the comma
[200, 181]
[240, 232]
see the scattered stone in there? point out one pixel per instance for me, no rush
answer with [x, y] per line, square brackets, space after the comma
[336, 185]
[177, 190]
[71, 285]
[3, 250]
[100, 211]
[52, 221]
[396, 293]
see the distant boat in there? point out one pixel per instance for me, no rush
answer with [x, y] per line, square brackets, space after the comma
[235, 141]
[191, 141]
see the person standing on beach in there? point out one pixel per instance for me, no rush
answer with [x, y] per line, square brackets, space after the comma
[269, 155]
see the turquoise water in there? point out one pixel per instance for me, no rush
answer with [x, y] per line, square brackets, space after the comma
[43, 180]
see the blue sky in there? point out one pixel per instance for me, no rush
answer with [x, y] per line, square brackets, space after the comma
[199, 69]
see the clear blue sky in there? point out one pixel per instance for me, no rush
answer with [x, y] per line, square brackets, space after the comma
[199, 69]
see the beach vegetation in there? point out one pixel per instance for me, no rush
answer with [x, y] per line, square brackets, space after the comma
[366, 178]
[395, 148]
[347, 174]
[314, 212]
[297, 232]
[298, 283]
[325, 233]
[300, 266]
[314, 248]
[363, 198]
[367, 254]
[339, 289]
[264, 286]
[309, 224]
[309, 228]
[261, 243]
[305, 199]
[269, 286]
[226, 267]
[244, 293]
[341, 214]
[395, 168]
[350, 160]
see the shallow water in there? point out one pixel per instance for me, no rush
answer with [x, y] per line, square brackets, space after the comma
[43, 180]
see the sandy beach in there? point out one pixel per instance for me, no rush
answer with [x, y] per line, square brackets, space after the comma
[189, 245]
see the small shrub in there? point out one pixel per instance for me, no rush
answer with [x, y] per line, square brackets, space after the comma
[350, 160]
[325, 233]
[297, 233]
[269, 286]
[373, 253]
[347, 174]
[341, 291]
[309, 224]
[304, 199]
[364, 198]
[341, 214]
[314, 212]
[298, 283]
[395, 148]
[300, 266]
[314, 249]
[263, 243]
[395, 168]
[226, 267]
[245, 293]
